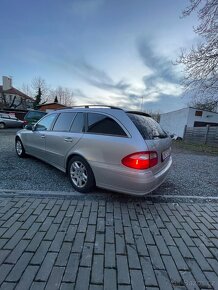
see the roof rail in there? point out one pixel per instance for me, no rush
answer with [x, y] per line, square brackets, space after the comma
[100, 106]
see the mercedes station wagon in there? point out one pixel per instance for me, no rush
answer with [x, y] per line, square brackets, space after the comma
[108, 147]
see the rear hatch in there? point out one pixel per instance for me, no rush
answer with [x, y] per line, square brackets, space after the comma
[155, 137]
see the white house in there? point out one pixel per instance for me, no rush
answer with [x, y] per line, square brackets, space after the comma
[11, 97]
[175, 121]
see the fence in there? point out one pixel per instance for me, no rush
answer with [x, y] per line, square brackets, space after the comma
[202, 135]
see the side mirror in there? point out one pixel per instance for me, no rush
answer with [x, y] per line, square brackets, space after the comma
[28, 127]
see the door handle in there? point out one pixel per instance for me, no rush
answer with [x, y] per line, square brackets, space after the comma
[68, 139]
[42, 136]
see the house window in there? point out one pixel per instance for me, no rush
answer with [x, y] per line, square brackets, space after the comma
[198, 113]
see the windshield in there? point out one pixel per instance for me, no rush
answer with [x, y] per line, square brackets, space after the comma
[147, 126]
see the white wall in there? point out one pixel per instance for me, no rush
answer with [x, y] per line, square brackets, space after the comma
[207, 117]
[174, 122]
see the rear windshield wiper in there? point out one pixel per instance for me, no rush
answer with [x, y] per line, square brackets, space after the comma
[159, 136]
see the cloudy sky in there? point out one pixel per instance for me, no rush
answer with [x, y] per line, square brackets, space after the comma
[117, 52]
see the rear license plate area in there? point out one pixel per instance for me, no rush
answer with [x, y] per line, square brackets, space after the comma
[165, 154]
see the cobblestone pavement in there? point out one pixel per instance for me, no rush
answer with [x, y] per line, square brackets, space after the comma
[48, 243]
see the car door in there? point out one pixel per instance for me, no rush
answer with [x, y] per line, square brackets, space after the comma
[66, 132]
[35, 139]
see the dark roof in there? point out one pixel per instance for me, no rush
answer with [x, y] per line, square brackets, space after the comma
[54, 103]
[15, 92]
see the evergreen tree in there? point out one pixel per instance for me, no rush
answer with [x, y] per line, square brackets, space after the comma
[38, 98]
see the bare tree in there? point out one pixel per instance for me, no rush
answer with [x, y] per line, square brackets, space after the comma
[10, 102]
[26, 89]
[201, 62]
[64, 95]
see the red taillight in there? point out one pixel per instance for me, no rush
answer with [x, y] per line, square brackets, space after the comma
[25, 122]
[141, 160]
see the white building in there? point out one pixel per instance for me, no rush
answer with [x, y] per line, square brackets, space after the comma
[11, 97]
[175, 122]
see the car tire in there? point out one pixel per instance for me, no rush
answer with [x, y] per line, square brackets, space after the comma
[19, 148]
[80, 174]
[2, 125]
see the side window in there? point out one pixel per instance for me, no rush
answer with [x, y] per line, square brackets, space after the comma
[45, 124]
[64, 122]
[78, 124]
[102, 124]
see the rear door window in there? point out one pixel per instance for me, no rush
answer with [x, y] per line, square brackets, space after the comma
[64, 121]
[147, 126]
[102, 124]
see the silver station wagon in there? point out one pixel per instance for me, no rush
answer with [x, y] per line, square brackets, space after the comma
[104, 146]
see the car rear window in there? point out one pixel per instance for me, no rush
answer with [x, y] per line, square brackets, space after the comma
[102, 124]
[34, 115]
[147, 126]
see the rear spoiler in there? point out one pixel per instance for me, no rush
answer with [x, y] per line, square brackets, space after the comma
[138, 113]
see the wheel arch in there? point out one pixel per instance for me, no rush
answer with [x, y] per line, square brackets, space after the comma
[80, 155]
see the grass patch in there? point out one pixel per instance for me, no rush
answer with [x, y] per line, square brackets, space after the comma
[195, 147]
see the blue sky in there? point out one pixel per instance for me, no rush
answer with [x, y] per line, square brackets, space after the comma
[108, 51]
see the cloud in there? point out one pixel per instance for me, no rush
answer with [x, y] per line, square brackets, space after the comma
[100, 79]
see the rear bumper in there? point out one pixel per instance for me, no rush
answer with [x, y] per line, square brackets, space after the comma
[129, 181]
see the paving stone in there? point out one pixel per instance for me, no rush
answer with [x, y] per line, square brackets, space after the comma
[110, 256]
[155, 257]
[72, 268]
[67, 286]
[46, 267]
[148, 272]
[70, 234]
[97, 269]
[50, 235]
[133, 258]
[78, 242]
[137, 281]
[82, 281]
[55, 278]
[148, 236]
[57, 242]
[64, 254]
[161, 245]
[109, 235]
[4, 270]
[99, 244]
[123, 270]
[183, 248]
[141, 246]
[100, 225]
[3, 255]
[120, 244]
[110, 279]
[86, 259]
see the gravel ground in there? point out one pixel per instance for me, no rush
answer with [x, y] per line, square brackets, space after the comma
[192, 174]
